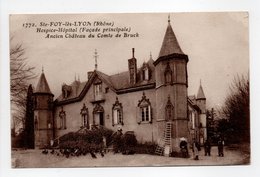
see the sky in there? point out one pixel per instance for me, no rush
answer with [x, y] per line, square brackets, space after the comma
[217, 45]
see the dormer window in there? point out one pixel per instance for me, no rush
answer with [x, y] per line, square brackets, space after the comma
[145, 74]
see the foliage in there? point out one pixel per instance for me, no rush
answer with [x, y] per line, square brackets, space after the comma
[212, 132]
[18, 141]
[29, 120]
[129, 140]
[236, 123]
[21, 73]
[127, 143]
[124, 143]
[146, 148]
[90, 140]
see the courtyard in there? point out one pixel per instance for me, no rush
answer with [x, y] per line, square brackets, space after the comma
[35, 159]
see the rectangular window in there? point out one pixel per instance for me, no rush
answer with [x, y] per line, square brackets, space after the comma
[146, 114]
[193, 120]
[97, 89]
[117, 116]
[143, 114]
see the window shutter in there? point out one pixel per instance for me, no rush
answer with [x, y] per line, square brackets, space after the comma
[64, 124]
[150, 114]
[113, 123]
[138, 115]
[115, 116]
[122, 117]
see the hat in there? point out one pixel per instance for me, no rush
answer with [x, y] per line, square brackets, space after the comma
[183, 139]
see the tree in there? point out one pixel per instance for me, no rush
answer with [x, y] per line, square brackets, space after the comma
[236, 110]
[21, 74]
[29, 119]
[211, 125]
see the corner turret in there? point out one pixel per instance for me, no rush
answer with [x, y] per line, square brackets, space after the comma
[43, 116]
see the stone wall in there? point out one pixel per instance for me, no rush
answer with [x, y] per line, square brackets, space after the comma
[129, 101]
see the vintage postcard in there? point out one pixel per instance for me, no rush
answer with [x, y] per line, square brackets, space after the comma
[129, 89]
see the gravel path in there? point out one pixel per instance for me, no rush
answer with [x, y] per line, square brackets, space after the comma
[34, 158]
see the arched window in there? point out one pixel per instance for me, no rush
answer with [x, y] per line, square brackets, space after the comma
[168, 74]
[144, 111]
[84, 116]
[62, 116]
[98, 115]
[169, 110]
[117, 113]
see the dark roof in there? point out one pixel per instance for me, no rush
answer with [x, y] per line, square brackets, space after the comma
[170, 44]
[76, 88]
[201, 94]
[192, 98]
[119, 83]
[42, 86]
[192, 103]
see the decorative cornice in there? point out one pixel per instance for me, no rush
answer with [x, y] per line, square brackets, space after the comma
[174, 56]
[144, 99]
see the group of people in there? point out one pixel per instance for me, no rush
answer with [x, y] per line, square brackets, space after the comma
[196, 148]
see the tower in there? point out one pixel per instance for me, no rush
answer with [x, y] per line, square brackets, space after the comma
[201, 102]
[171, 88]
[43, 116]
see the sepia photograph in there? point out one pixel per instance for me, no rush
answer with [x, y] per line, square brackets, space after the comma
[129, 89]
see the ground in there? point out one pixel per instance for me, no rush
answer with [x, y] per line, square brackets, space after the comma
[34, 158]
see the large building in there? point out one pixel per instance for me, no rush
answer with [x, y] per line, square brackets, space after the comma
[147, 100]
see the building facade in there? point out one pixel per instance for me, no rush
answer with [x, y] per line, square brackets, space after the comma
[142, 99]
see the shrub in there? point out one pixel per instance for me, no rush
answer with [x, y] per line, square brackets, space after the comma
[18, 141]
[146, 148]
[129, 140]
[90, 140]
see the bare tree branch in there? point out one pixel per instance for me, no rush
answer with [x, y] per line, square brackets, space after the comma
[21, 74]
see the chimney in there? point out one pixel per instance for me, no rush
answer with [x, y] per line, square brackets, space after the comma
[132, 68]
[133, 52]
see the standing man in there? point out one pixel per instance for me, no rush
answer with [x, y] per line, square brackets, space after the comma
[195, 148]
[220, 147]
[207, 147]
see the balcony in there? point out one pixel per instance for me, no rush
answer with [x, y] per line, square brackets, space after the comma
[98, 98]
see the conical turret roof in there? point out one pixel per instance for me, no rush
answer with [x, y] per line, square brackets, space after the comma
[42, 86]
[201, 94]
[170, 44]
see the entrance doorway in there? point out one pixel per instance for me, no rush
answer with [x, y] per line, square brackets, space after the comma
[98, 114]
[99, 118]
